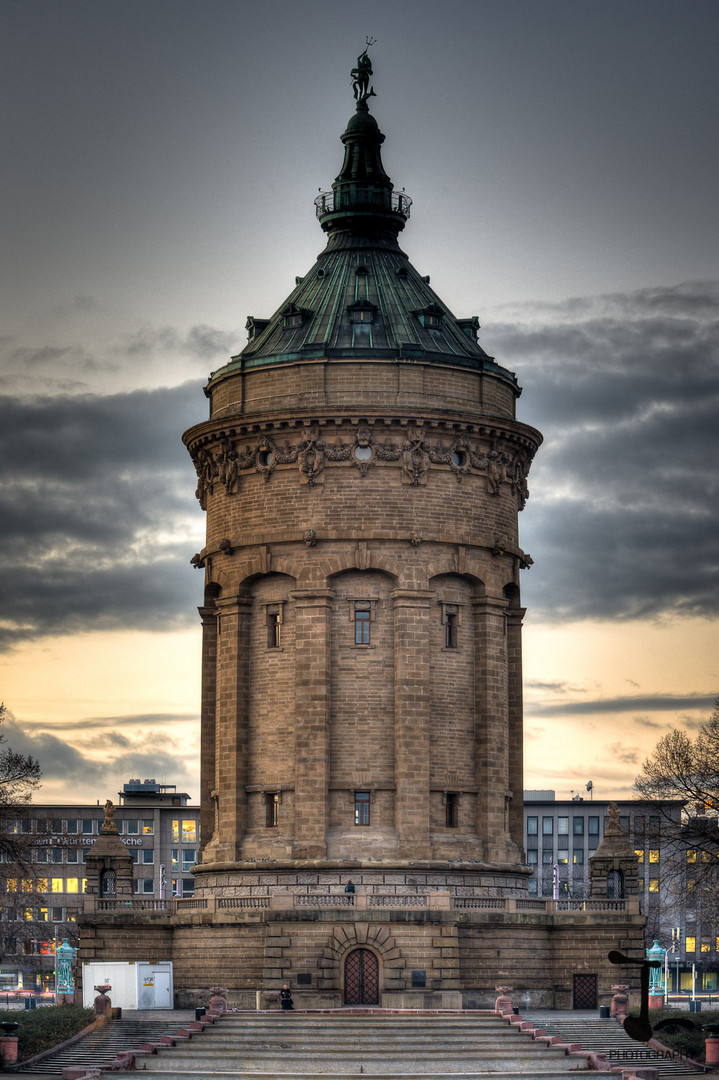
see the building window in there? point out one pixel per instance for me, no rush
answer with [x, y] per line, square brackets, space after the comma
[563, 857]
[56, 914]
[148, 856]
[705, 947]
[176, 830]
[71, 855]
[450, 629]
[148, 885]
[654, 855]
[148, 828]
[88, 826]
[189, 831]
[175, 855]
[639, 852]
[71, 825]
[547, 858]
[362, 807]
[653, 884]
[533, 857]
[578, 826]
[273, 627]
[189, 858]
[593, 826]
[690, 944]
[615, 885]
[562, 826]
[72, 885]
[57, 854]
[362, 621]
[272, 809]
[451, 809]
[532, 826]
[132, 827]
[578, 857]
[691, 855]
[547, 826]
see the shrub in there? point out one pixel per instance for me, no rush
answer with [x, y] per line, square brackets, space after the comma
[41, 1029]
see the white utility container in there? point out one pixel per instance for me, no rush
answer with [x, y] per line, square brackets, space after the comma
[134, 984]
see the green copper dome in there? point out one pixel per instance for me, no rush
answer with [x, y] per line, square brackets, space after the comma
[363, 298]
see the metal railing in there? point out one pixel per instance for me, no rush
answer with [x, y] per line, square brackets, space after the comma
[399, 204]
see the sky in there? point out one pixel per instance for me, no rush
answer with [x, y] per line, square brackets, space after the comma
[160, 158]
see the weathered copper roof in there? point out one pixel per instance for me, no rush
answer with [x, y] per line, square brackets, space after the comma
[363, 298]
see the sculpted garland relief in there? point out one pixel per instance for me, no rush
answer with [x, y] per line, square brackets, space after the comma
[223, 464]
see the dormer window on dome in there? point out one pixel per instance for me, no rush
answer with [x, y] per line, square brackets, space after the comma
[430, 317]
[254, 327]
[470, 326]
[362, 311]
[293, 316]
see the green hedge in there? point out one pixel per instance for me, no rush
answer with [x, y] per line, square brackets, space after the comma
[41, 1029]
[689, 1042]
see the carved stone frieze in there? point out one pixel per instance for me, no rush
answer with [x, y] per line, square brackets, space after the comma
[503, 464]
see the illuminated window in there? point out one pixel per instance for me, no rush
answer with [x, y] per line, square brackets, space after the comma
[562, 857]
[362, 799]
[72, 884]
[653, 884]
[57, 884]
[654, 855]
[705, 946]
[27, 885]
[706, 856]
[148, 828]
[42, 916]
[691, 855]
[690, 944]
[640, 855]
[42, 884]
[71, 915]
[640, 884]
[176, 830]
[716, 944]
[189, 831]
[175, 858]
[27, 914]
[578, 857]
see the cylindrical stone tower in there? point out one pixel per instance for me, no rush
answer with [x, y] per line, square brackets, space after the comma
[362, 472]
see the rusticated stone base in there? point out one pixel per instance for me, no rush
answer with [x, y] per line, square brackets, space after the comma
[427, 956]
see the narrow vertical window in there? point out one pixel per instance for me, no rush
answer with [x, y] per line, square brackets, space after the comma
[362, 807]
[451, 809]
[450, 629]
[362, 621]
[272, 804]
[273, 627]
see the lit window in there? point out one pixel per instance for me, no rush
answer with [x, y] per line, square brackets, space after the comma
[71, 915]
[690, 944]
[42, 884]
[189, 831]
[362, 807]
[639, 852]
[272, 809]
[654, 855]
[563, 856]
[176, 830]
[26, 885]
[706, 856]
[705, 946]
[72, 885]
[691, 855]
[57, 884]
[175, 859]
[451, 810]
[27, 914]
[578, 857]
[362, 621]
[148, 828]
[716, 944]
[273, 627]
[450, 629]
[653, 884]
[640, 884]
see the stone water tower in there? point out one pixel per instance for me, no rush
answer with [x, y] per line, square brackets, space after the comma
[362, 471]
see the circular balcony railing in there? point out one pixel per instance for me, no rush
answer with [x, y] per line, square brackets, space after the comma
[400, 204]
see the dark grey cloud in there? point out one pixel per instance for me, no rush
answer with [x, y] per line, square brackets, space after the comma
[61, 761]
[624, 516]
[97, 511]
[646, 702]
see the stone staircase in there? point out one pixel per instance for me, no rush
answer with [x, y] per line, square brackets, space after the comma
[353, 1045]
[102, 1046]
[605, 1037]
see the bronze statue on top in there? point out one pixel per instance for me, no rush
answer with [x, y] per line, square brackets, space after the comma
[362, 74]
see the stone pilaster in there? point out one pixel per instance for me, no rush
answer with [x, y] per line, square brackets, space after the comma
[207, 722]
[231, 731]
[412, 722]
[312, 700]
[516, 743]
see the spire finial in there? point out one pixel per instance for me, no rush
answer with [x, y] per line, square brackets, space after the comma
[362, 74]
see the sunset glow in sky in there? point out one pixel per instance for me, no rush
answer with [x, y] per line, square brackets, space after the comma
[159, 166]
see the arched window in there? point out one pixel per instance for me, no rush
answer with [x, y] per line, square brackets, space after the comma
[615, 885]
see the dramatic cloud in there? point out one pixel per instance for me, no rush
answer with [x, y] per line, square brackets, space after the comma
[99, 520]
[652, 703]
[624, 515]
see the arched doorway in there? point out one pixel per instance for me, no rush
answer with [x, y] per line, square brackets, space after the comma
[362, 978]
